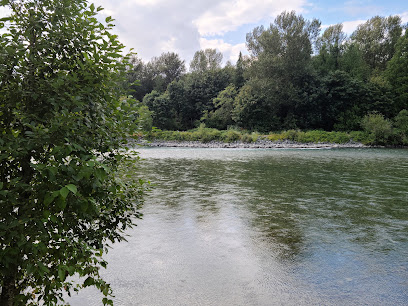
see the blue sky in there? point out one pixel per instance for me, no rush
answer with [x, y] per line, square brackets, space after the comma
[351, 13]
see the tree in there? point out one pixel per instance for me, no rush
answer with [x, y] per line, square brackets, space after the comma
[168, 67]
[239, 79]
[138, 82]
[329, 46]
[221, 117]
[352, 61]
[61, 124]
[397, 72]
[163, 111]
[253, 112]
[204, 60]
[377, 39]
[281, 66]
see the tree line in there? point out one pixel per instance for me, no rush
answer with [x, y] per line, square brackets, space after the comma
[295, 77]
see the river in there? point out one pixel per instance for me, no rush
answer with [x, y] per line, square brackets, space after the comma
[265, 227]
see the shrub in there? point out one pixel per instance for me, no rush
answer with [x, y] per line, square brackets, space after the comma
[378, 127]
[231, 136]
[401, 126]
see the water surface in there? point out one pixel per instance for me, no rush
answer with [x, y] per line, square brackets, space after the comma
[266, 227]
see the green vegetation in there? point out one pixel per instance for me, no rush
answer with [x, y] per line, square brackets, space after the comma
[203, 134]
[62, 122]
[295, 78]
[377, 131]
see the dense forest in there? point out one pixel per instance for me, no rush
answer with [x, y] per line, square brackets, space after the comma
[295, 77]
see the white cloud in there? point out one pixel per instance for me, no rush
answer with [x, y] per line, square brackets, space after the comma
[230, 52]
[350, 26]
[229, 15]
[185, 26]
[404, 17]
[155, 26]
[4, 12]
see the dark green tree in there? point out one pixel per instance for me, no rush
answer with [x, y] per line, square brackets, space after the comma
[162, 110]
[281, 66]
[61, 124]
[329, 46]
[397, 72]
[221, 117]
[239, 79]
[168, 67]
[352, 61]
[253, 112]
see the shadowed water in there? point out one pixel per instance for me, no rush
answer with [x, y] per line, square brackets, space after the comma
[266, 227]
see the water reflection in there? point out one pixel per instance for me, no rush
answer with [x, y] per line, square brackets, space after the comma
[264, 227]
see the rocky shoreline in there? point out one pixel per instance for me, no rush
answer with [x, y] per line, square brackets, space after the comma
[259, 144]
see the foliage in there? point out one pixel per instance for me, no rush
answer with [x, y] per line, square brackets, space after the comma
[190, 97]
[377, 39]
[401, 126]
[204, 134]
[281, 67]
[204, 60]
[397, 72]
[239, 79]
[161, 109]
[145, 118]
[318, 136]
[62, 123]
[330, 46]
[352, 61]
[157, 74]
[221, 117]
[294, 78]
[378, 127]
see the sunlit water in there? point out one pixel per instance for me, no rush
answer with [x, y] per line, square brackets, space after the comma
[266, 227]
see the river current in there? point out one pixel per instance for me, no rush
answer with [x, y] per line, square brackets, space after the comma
[265, 227]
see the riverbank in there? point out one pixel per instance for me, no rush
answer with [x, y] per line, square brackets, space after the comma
[258, 144]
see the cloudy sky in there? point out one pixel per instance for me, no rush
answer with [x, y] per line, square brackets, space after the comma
[185, 26]
[152, 27]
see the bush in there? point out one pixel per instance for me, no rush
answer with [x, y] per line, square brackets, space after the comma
[401, 126]
[145, 118]
[378, 127]
[231, 136]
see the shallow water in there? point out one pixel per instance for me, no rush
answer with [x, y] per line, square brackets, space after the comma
[266, 227]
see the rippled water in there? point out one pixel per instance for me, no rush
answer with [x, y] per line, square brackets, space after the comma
[266, 227]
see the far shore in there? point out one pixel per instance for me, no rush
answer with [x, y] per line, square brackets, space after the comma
[259, 144]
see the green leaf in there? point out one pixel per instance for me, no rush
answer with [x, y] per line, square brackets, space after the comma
[89, 282]
[92, 7]
[49, 198]
[64, 192]
[61, 203]
[72, 188]
[61, 274]
[46, 214]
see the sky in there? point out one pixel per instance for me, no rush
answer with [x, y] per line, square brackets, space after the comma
[152, 27]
